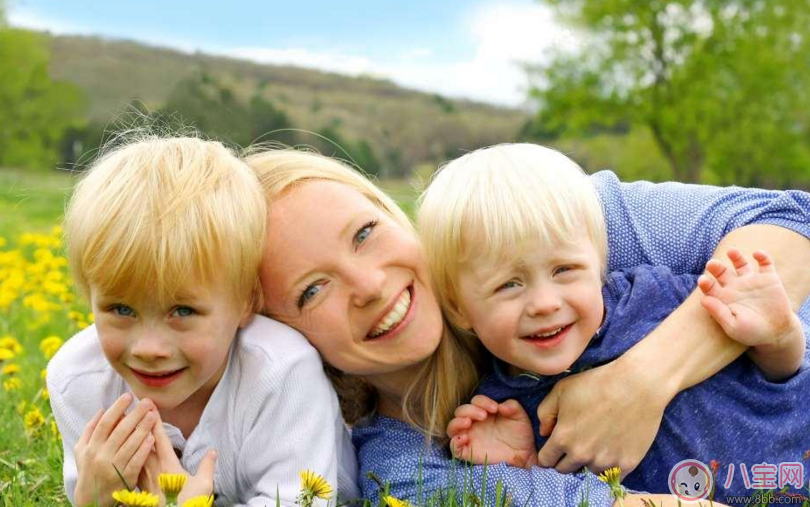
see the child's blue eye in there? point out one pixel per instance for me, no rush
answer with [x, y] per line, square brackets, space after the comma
[562, 269]
[122, 310]
[511, 284]
[183, 311]
[364, 232]
[308, 293]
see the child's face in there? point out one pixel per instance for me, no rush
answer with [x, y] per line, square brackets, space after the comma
[175, 355]
[538, 312]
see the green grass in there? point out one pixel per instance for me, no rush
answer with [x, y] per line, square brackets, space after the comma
[31, 460]
[32, 201]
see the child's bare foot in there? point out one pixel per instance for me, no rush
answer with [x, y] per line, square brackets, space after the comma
[751, 305]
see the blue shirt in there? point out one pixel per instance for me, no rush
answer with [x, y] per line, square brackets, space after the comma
[734, 417]
[669, 224]
[397, 453]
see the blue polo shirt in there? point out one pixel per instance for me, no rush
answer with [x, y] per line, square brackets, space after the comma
[735, 417]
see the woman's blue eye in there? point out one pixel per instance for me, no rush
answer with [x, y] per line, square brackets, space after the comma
[308, 294]
[122, 310]
[364, 232]
[183, 311]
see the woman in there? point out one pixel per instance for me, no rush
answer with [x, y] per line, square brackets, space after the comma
[344, 267]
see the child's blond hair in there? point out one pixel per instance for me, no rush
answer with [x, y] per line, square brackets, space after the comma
[450, 374]
[488, 205]
[156, 217]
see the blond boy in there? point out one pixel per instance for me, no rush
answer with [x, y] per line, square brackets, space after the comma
[519, 258]
[164, 238]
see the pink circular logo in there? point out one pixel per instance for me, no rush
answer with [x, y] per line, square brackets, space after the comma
[690, 480]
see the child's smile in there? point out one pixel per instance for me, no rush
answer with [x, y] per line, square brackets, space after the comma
[539, 309]
[174, 354]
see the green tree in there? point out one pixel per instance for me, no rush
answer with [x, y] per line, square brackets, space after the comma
[722, 85]
[359, 153]
[34, 111]
[215, 110]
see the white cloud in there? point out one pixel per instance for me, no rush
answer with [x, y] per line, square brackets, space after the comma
[22, 18]
[502, 36]
[334, 62]
[505, 35]
[417, 53]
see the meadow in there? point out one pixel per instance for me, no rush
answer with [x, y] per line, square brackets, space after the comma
[39, 309]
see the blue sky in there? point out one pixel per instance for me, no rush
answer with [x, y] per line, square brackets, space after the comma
[458, 48]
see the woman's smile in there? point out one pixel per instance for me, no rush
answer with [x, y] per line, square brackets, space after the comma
[395, 318]
[376, 312]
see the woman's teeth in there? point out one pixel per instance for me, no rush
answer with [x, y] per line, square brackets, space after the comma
[393, 317]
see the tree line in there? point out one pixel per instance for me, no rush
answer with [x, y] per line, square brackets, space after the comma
[721, 88]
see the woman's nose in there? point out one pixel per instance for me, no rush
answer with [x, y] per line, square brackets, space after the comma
[367, 283]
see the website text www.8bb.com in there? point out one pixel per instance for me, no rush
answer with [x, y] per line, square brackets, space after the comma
[771, 498]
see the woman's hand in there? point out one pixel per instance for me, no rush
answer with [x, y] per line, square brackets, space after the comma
[604, 417]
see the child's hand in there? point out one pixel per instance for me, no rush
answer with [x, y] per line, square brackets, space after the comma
[752, 307]
[113, 440]
[164, 460]
[485, 431]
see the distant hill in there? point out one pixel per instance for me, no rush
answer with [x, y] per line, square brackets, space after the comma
[405, 128]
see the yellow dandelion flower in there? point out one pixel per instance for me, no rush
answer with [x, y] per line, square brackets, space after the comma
[313, 485]
[611, 475]
[57, 231]
[43, 374]
[613, 478]
[12, 384]
[2, 241]
[199, 501]
[135, 499]
[6, 354]
[391, 501]
[45, 394]
[21, 406]
[171, 484]
[82, 325]
[34, 420]
[91, 318]
[50, 345]
[55, 431]
[10, 369]
[11, 343]
[77, 316]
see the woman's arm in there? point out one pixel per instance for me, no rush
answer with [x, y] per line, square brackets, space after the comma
[633, 391]
[689, 346]
[679, 226]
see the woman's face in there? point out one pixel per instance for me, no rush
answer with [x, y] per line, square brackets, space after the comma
[351, 279]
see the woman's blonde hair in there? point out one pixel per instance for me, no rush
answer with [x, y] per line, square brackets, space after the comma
[449, 375]
[491, 204]
[156, 216]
